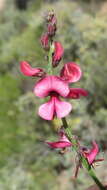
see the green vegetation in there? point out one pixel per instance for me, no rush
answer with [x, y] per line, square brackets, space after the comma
[26, 163]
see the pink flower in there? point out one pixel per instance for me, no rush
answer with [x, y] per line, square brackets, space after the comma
[27, 70]
[71, 72]
[91, 154]
[63, 141]
[54, 87]
[58, 53]
[76, 93]
[45, 41]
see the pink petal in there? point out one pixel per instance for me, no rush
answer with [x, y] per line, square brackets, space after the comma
[76, 93]
[71, 72]
[46, 111]
[27, 70]
[62, 108]
[51, 84]
[62, 143]
[93, 153]
[63, 137]
[59, 144]
[58, 53]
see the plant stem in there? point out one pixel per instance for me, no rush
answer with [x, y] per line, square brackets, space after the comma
[65, 124]
[96, 180]
[51, 51]
[91, 173]
[83, 159]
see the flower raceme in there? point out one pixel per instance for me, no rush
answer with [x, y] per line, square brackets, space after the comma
[63, 141]
[54, 87]
[57, 88]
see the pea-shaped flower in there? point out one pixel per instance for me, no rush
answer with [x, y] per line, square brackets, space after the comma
[27, 70]
[62, 142]
[91, 154]
[54, 87]
[71, 72]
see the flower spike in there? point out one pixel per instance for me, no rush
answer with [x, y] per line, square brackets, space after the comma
[57, 88]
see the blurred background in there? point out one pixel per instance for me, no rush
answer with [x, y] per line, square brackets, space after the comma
[26, 163]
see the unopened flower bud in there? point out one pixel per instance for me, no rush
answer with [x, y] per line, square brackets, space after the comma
[58, 53]
[45, 41]
[51, 18]
[51, 29]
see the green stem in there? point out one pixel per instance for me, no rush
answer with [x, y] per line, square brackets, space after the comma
[96, 180]
[51, 50]
[83, 160]
[91, 173]
[65, 124]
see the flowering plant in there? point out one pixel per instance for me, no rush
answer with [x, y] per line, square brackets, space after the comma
[58, 88]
